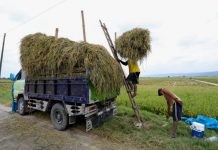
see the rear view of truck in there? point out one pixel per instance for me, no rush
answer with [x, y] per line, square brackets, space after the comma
[67, 79]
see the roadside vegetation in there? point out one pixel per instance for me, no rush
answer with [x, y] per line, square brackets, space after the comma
[154, 135]
[5, 92]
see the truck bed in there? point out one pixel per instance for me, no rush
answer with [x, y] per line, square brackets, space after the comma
[71, 90]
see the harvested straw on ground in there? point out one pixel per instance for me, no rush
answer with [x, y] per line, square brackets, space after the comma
[134, 44]
[43, 56]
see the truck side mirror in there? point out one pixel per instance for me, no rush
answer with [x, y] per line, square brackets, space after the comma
[12, 77]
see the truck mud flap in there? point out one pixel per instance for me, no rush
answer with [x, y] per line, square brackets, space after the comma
[97, 119]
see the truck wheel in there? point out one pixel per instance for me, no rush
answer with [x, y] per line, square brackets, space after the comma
[21, 106]
[59, 117]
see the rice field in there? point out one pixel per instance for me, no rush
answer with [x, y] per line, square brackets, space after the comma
[5, 92]
[198, 98]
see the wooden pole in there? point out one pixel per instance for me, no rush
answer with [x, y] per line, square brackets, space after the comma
[56, 33]
[3, 46]
[115, 38]
[83, 24]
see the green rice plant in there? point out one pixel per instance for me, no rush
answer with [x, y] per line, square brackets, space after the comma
[5, 92]
[198, 98]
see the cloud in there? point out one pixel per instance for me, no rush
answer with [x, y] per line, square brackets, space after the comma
[13, 15]
[192, 42]
[184, 32]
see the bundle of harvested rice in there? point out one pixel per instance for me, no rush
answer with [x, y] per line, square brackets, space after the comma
[43, 56]
[134, 44]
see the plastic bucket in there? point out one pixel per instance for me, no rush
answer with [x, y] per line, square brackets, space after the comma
[197, 130]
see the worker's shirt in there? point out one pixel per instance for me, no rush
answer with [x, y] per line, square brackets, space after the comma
[171, 97]
[133, 66]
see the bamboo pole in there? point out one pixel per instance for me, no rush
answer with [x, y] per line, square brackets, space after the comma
[56, 33]
[83, 25]
[132, 100]
[115, 38]
[2, 53]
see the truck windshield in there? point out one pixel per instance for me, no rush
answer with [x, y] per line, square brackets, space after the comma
[20, 75]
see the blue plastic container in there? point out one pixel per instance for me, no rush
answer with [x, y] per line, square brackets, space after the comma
[197, 130]
[197, 134]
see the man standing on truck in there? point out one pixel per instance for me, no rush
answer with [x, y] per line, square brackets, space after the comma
[176, 102]
[133, 77]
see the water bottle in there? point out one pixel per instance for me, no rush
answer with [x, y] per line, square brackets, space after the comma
[212, 139]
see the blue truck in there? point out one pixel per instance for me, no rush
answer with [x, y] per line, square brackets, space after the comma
[64, 98]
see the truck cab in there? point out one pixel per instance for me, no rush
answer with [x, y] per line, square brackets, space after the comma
[18, 91]
[63, 98]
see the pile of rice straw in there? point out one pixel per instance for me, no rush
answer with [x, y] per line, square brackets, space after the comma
[44, 56]
[134, 44]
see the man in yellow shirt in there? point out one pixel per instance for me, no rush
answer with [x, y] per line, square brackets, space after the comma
[133, 77]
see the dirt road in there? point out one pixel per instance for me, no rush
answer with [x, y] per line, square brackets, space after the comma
[4, 112]
[214, 84]
[36, 132]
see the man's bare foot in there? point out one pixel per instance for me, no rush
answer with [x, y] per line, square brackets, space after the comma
[173, 135]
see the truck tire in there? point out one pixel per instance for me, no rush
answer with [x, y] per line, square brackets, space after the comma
[22, 106]
[59, 117]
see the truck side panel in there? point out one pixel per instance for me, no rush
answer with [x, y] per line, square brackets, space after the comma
[73, 90]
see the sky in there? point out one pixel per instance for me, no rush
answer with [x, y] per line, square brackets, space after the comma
[184, 32]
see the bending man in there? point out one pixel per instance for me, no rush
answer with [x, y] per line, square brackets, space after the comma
[176, 102]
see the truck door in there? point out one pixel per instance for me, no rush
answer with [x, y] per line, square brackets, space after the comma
[19, 84]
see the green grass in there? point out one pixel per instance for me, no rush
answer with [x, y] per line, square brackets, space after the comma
[5, 92]
[208, 79]
[198, 98]
[154, 135]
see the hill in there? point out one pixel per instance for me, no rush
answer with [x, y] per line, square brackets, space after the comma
[195, 74]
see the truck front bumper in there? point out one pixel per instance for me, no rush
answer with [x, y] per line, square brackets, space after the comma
[95, 120]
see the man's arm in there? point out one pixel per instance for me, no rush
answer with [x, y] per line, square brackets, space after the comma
[123, 62]
[168, 111]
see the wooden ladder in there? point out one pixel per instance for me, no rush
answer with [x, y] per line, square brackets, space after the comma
[128, 89]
